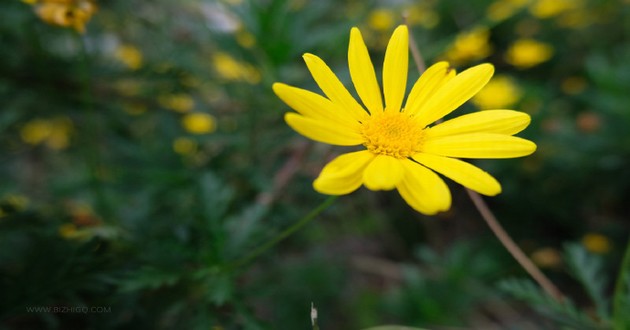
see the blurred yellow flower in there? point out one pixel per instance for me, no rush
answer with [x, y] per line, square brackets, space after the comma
[68, 231]
[199, 123]
[65, 13]
[13, 203]
[55, 133]
[381, 19]
[588, 122]
[526, 53]
[230, 69]
[573, 85]
[547, 257]
[135, 109]
[576, 19]
[130, 56]
[526, 28]
[128, 86]
[500, 93]
[245, 39]
[503, 9]
[19, 202]
[469, 46]
[402, 151]
[549, 8]
[177, 102]
[423, 16]
[184, 146]
[596, 243]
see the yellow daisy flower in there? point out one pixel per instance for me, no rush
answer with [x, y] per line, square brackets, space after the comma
[402, 150]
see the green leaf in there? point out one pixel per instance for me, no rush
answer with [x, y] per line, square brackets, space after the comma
[587, 269]
[564, 313]
[149, 278]
[621, 317]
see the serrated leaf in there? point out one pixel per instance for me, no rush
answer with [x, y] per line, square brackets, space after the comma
[587, 269]
[565, 312]
[148, 278]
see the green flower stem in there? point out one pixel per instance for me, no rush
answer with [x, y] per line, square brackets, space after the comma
[620, 318]
[284, 234]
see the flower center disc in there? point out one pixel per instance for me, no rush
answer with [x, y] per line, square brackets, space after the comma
[393, 134]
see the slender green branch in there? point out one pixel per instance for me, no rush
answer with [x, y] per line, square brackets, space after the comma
[284, 234]
[620, 316]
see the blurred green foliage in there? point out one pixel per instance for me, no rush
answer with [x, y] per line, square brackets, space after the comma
[113, 195]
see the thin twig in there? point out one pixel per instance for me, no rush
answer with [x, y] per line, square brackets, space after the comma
[514, 250]
[284, 234]
[489, 217]
[415, 50]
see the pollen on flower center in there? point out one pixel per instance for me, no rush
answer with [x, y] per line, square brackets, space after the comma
[393, 134]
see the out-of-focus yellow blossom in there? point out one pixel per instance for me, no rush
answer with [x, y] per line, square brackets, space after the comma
[596, 243]
[588, 122]
[381, 19]
[526, 53]
[245, 39]
[229, 68]
[423, 16]
[296, 5]
[551, 8]
[190, 81]
[65, 13]
[135, 109]
[55, 133]
[18, 202]
[469, 46]
[527, 28]
[184, 146]
[12, 203]
[500, 93]
[199, 123]
[576, 19]
[128, 87]
[177, 102]
[69, 231]
[547, 257]
[130, 56]
[573, 85]
[504, 9]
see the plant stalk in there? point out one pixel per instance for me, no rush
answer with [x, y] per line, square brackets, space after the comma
[284, 234]
[489, 217]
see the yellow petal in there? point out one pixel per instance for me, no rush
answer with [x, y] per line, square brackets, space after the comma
[395, 69]
[454, 93]
[488, 121]
[323, 131]
[314, 106]
[343, 174]
[479, 145]
[383, 173]
[428, 83]
[362, 73]
[332, 87]
[467, 175]
[423, 190]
